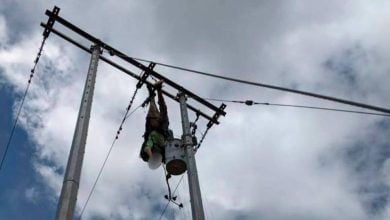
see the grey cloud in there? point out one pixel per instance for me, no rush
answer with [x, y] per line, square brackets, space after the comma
[263, 162]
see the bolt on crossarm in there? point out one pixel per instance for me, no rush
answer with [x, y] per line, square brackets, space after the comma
[68, 197]
[193, 181]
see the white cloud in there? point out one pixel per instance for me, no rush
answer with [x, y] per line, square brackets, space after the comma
[32, 194]
[261, 162]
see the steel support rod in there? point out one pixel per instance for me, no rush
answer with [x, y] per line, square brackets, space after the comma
[68, 197]
[193, 181]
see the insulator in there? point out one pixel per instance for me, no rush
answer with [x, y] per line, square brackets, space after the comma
[249, 102]
[194, 140]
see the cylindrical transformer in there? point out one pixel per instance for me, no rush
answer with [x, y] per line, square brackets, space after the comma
[175, 157]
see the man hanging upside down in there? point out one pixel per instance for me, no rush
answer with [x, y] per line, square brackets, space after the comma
[156, 126]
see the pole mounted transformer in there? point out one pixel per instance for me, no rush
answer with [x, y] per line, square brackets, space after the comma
[70, 187]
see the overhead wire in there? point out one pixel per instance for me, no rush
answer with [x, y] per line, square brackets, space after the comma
[251, 102]
[101, 170]
[22, 102]
[202, 138]
[329, 98]
[126, 116]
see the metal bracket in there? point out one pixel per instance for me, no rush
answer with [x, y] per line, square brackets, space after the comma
[216, 116]
[145, 75]
[50, 21]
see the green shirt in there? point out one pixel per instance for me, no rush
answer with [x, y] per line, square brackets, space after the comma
[155, 139]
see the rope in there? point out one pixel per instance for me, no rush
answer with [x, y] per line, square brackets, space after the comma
[126, 116]
[250, 103]
[21, 104]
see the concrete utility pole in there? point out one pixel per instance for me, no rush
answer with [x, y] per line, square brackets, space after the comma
[195, 195]
[67, 201]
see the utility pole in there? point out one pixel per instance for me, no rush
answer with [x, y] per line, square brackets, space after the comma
[193, 181]
[68, 198]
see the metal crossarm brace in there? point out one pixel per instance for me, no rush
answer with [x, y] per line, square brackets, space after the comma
[50, 22]
[128, 72]
[216, 116]
[132, 61]
[145, 75]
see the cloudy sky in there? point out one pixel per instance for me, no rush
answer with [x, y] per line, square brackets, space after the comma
[261, 162]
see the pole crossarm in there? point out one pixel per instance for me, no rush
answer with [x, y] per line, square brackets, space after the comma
[128, 72]
[128, 59]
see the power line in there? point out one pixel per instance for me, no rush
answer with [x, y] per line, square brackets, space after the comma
[329, 98]
[166, 206]
[22, 103]
[250, 102]
[126, 116]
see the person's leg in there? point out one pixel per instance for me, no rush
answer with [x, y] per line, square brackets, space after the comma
[163, 107]
[153, 111]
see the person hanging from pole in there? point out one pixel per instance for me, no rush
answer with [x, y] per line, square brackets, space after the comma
[156, 126]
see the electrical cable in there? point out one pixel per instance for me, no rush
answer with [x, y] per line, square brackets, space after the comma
[22, 102]
[169, 187]
[202, 139]
[166, 206]
[329, 98]
[250, 103]
[126, 116]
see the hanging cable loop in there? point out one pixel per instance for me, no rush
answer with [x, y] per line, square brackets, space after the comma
[166, 206]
